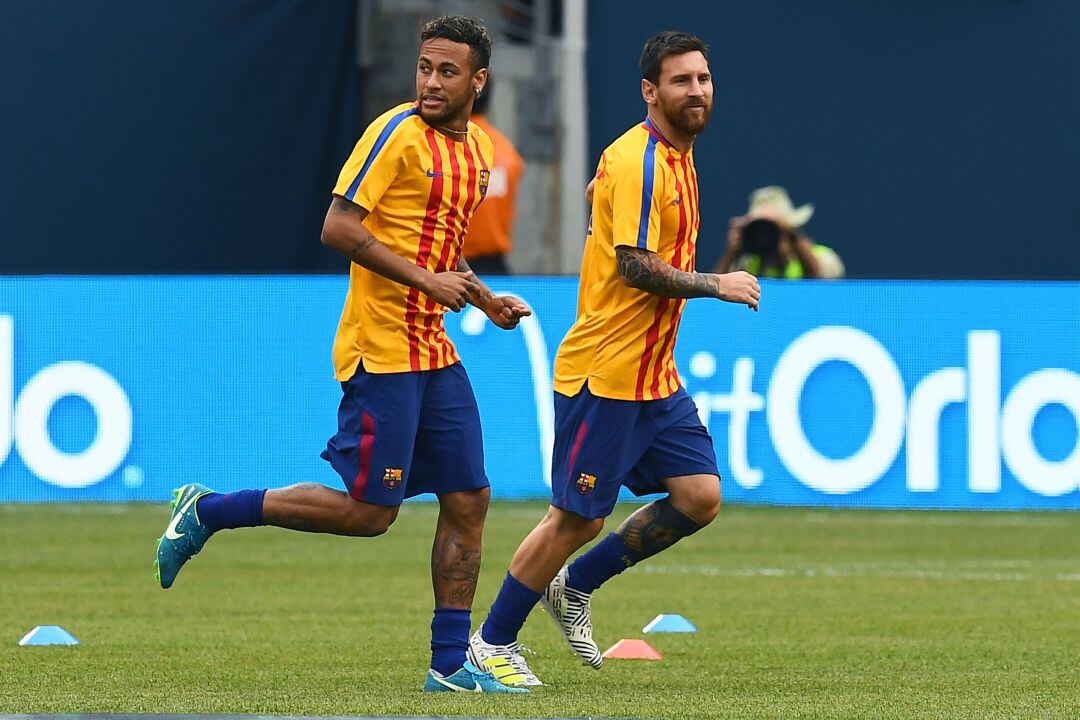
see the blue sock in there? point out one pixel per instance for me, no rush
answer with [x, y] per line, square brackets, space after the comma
[223, 511]
[449, 639]
[605, 560]
[512, 605]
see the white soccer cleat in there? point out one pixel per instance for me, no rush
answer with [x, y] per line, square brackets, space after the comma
[569, 608]
[505, 662]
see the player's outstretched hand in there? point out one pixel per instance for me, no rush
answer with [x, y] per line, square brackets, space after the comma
[739, 287]
[506, 311]
[452, 289]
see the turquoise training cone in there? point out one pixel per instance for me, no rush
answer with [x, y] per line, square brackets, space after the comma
[669, 623]
[49, 635]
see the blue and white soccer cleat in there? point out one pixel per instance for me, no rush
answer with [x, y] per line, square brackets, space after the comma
[569, 608]
[184, 536]
[468, 679]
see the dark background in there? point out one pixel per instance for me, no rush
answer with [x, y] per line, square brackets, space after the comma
[936, 139]
[194, 136]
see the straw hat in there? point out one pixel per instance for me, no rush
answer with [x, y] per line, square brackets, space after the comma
[773, 203]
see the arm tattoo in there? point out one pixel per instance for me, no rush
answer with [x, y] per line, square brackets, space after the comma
[365, 239]
[645, 270]
[343, 207]
[483, 293]
[361, 243]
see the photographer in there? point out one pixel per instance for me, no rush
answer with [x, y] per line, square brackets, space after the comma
[768, 241]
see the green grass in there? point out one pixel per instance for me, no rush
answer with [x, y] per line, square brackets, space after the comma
[802, 614]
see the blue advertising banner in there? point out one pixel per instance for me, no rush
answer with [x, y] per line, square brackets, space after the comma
[866, 394]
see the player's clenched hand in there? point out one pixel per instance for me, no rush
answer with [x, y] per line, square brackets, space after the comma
[452, 289]
[739, 287]
[506, 311]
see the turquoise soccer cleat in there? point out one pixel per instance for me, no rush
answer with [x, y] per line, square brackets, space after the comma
[185, 535]
[468, 679]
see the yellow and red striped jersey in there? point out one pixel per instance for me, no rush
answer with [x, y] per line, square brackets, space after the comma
[646, 196]
[420, 189]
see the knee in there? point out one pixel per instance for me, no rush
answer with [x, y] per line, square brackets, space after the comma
[369, 520]
[591, 529]
[701, 502]
[466, 510]
[575, 527]
[710, 507]
[382, 521]
[585, 530]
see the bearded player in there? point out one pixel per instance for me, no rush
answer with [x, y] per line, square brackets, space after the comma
[408, 421]
[622, 418]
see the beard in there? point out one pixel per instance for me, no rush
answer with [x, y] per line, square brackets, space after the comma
[449, 111]
[690, 118]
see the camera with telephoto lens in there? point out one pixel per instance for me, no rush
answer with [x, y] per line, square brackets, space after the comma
[761, 237]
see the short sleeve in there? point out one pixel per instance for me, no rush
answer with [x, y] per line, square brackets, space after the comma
[637, 199]
[375, 161]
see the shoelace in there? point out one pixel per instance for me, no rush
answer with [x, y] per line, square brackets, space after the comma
[483, 674]
[517, 660]
[192, 550]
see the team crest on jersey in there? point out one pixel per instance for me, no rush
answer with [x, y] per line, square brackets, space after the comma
[586, 483]
[485, 178]
[391, 478]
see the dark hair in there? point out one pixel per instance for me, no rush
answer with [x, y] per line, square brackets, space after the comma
[665, 44]
[462, 29]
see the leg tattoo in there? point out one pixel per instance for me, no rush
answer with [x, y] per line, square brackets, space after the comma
[653, 528]
[455, 566]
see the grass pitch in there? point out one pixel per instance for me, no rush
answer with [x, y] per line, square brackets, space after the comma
[802, 614]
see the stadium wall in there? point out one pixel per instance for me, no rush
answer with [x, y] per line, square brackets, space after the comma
[869, 394]
[158, 137]
[937, 139]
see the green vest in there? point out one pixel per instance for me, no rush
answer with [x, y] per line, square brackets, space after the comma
[792, 271]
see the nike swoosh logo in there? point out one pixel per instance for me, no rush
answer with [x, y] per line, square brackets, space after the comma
[170, 532]
[433, 174]
[455, 688]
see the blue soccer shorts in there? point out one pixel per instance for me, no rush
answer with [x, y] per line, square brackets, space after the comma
[603, 444]
[403, 434]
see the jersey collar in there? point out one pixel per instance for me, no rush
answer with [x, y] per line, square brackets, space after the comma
[655, 132]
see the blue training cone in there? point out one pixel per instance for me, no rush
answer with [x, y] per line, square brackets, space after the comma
[49, 635]
[669, 623]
